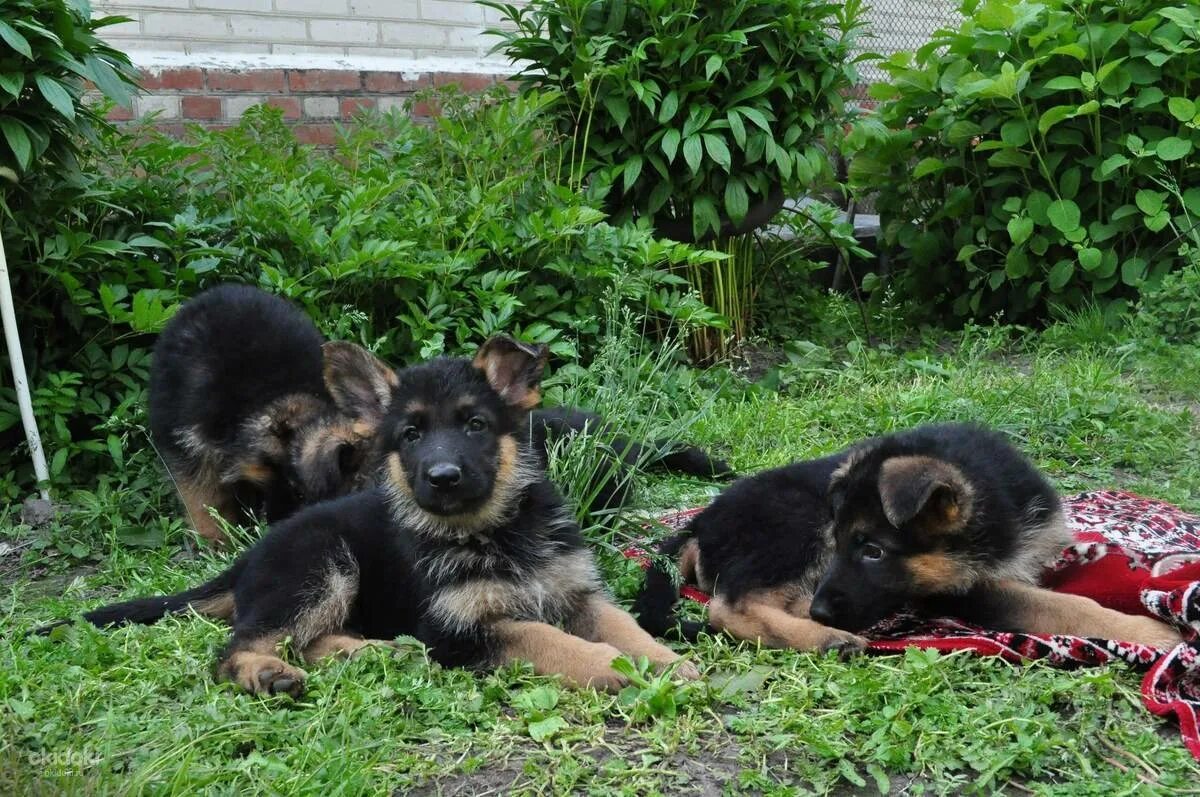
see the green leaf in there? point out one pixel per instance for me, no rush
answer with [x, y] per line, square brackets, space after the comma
[1009, 157]
[705, 218]
[1038, 203]
[737, 127]
[1064, 82]
[1089, 107]
[147, 241]
[1172, 148]
[18, 141]
[1148, 96]
[712, 65]
[1053, 116]
[12, 83]
[1015, 133]
[717, 150]
[1149, 201]
[757, 117]
[1063, 214]
[618, 108]
[1068, 184]
[995, 15]
[633, 170]
[670, 144]
[1061, 274]
[1019, 229]
[15, 40]
[693, 152]
[928, 166]
[1182, 108]
[1016, 263]
[670, 104]
[1089, 258]
[58, 97]
[1112, 163]
[1158, 221]
[544, 729]
[107, 80]
[1133, 271]
[737, 202]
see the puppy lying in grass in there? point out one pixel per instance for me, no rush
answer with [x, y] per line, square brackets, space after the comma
[465, 544]
[949, 520]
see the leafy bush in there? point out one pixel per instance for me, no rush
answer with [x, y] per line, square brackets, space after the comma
[689, 114]
[1033, 157]
[1171, 310]
[49, 49]
[411, 240]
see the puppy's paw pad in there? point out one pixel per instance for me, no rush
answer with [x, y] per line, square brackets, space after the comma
[278, 680]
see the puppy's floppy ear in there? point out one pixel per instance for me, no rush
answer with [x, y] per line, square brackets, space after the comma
[924, 489]
[513, 369]
[360, 383]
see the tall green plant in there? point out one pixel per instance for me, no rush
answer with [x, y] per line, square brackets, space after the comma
[413, 240]
[49, 50]
[698, 116]
[1034, 155]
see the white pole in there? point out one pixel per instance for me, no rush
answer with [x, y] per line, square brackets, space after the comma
[20, 381]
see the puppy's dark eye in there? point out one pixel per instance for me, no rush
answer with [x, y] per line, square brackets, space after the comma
[871, 551]
[411, 434]
[476, 424]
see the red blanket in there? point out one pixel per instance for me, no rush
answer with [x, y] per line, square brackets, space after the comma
[1133, 554]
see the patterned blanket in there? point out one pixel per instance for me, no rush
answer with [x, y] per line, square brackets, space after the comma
[1132, 554]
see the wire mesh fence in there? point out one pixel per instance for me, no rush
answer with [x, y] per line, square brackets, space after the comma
[897, 25]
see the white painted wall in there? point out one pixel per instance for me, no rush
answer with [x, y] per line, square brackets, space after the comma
[282, 32]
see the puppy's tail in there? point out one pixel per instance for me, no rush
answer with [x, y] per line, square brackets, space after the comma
[213, 598]
[655, 604]
[692, 461]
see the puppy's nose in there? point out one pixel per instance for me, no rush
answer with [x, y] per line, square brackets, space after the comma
[444, 475]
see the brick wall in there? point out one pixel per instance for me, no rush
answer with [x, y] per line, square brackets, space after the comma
[313, 100]
[207, 61]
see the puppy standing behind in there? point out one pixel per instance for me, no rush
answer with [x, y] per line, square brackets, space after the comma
[949, 520]
[466, 545]
[240, 413]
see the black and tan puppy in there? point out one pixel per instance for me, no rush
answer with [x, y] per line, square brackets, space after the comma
[240, 411]
[947, 520]
[465, 545]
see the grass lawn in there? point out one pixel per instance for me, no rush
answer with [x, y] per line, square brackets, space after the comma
[136, 710]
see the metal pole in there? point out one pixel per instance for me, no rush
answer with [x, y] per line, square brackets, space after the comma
[20, 381]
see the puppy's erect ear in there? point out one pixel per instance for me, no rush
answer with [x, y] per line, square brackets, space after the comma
[513, 369]
[360, 383]
[924, 489]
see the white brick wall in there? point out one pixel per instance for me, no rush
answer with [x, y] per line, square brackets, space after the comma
[383, 28]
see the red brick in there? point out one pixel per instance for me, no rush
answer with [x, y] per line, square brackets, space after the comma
[393, 82]
[254, 80]
[201, 107]
[324, 80]
[323, 135]
[464, 80]
[174, 79]
[352, 105]
[290, 106]
[426, 109]
[120, 113]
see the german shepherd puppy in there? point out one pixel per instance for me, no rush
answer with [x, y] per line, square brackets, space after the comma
[465, 544]
[241, 413]
[949, 520]
[610, 486]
